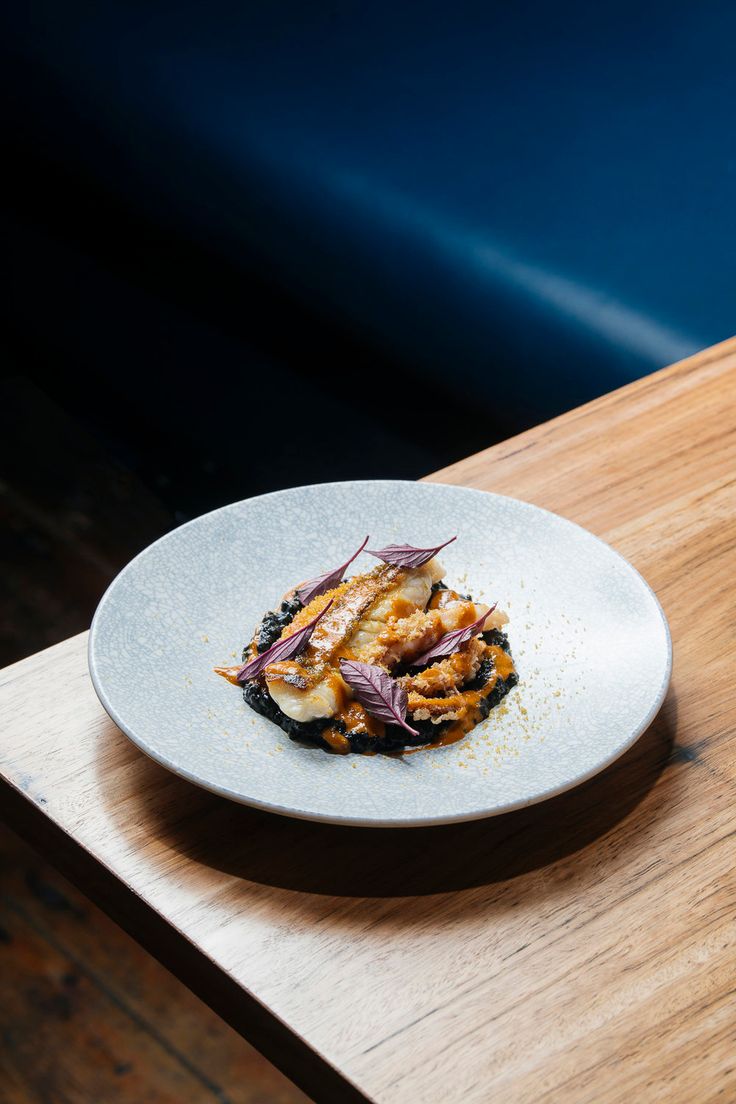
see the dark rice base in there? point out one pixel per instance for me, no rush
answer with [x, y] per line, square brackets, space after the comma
[396, 738]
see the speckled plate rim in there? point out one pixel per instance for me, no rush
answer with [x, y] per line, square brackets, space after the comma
[362, 822]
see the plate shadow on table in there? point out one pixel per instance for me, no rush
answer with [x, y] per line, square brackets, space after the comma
[323, 859]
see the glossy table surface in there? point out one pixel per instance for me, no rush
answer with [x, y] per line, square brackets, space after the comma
[580, 950]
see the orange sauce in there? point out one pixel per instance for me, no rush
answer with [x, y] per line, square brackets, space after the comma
[442, 598]
[402, 607]
[337, 741]
[355, 719]
[229, 673]
[503, 662]
[350, 600]
[504, 666]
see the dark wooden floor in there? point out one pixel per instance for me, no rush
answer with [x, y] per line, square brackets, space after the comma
[87, 1017]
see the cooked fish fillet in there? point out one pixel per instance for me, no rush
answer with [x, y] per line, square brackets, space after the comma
[362, 608]
[436, 710]
[450, 673]
[407, 638]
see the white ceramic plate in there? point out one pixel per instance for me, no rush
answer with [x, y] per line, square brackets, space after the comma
[589, 638]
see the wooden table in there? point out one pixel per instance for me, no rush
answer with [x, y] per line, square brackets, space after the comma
[581, 950]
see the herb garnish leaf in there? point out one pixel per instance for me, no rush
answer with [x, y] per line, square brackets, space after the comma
[452, 641]
[322, 583]
[405, 555]
[374, 688]
[282, 649]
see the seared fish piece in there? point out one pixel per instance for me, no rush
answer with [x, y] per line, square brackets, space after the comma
[450, 673]
[402, 641]
[363, 607]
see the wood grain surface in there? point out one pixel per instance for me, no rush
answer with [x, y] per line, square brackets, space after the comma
[579, 951]
[88, 1017]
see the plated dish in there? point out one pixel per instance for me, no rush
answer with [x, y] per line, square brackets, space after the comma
[388, 659]
[586, 633]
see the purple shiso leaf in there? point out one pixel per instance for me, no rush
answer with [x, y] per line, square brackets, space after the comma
[404, 555]
[322, 583]
[381, 695]
[282, 649]
[451, 641]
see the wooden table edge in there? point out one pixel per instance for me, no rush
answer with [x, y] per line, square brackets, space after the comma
[283, 1047]
[529, 438]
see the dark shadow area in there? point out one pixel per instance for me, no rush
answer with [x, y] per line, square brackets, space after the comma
[332, 860]
[164, 381]
[89, 477]
[150, 373]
